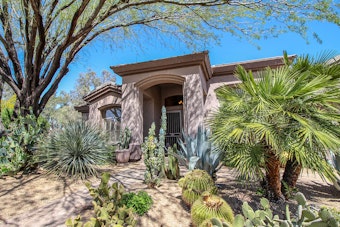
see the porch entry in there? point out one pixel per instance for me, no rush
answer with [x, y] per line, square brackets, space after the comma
[173, 127]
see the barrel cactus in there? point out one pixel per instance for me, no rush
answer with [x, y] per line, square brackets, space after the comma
[194, 184]
[209, 206]
[215, 222]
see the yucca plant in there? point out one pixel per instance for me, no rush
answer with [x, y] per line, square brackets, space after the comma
[74, 151]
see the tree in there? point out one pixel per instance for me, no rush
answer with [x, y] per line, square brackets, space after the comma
[40, 39]
[59, 110]
[285, 116]
[87, 82]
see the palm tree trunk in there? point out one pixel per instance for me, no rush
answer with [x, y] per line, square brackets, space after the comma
[272, 180]
[290, 177]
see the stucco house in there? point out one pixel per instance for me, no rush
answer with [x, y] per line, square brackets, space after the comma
[185, 85]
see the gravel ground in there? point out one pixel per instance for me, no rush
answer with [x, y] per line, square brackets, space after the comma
[44, 200]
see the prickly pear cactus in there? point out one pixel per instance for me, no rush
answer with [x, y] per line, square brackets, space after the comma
[194, 184]
[209, 206]
[305, 216]
[106, 193]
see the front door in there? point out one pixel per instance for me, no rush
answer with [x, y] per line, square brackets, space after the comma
[173, 127]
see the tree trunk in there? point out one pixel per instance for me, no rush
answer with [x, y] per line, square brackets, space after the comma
[1, 90]
[272, 183]
[290, 177]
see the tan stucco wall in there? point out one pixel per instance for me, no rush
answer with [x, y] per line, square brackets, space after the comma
[132, 111]
[193, 108]
[95, 113]
[211, 102]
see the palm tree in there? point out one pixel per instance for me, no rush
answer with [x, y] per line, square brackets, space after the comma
[287, 115]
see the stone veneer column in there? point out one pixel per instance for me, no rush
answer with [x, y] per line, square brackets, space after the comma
[193, 102]
[132, 111]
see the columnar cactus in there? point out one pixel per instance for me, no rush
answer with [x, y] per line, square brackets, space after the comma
[153, 159]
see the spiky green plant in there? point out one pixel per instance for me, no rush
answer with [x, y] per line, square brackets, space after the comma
[306, 215]
[194, 184]
[288, 115]
[197, 152]
[152, 158]
[209, 206]
[215, 222]
[171, 167]
[74, 151]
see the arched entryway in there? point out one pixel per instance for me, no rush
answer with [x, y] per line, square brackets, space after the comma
[169, 95]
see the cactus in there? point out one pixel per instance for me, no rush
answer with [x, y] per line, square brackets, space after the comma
[153, 151]
[209, 206]
[153, 159]
[107, 206]
[198, 152]
[194, 184]
[124, 138]
[305, 216]
[215, 222]
[171, 168]
[105, 194]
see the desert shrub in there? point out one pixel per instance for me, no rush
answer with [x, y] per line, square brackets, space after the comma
[140, 202]
[75, 150]
[18, 144]
[209, 206]
[194, 183]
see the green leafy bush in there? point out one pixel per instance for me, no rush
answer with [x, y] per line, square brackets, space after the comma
[140, 202]
[75, 150]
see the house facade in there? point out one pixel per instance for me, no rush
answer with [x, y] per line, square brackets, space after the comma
[185, 85]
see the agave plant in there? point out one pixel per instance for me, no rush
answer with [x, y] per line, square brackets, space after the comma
[198, 152]
[75, 150]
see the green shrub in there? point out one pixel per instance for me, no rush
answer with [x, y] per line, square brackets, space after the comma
[75, 150]
[140, 202]
[194, 184]
[209, 206]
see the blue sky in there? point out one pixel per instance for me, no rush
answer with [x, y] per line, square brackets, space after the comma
[98, 56]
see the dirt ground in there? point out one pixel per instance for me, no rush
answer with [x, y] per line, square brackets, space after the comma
[45, 200]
